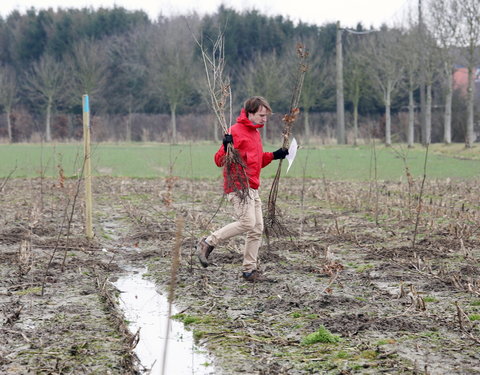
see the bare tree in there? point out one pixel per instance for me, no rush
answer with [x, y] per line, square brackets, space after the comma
[411, 61]
[45, 84]
[266, 75]
[340, 129]
[88, 70]
[318, 81]
[431, 69]
[386, 69]
[170, 65]
[443, 24]
[469, 37]
[8, 94]
[128, 59]
[421, 31]
[355, 80]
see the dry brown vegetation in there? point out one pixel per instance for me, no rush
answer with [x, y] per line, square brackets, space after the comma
[348, 264]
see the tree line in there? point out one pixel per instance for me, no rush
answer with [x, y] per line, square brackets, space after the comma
[146, 80]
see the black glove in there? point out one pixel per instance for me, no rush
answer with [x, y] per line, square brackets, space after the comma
[280, 153]
[227, 138]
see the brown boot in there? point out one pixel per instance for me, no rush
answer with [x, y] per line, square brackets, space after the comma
[255, 277]
[203, 251]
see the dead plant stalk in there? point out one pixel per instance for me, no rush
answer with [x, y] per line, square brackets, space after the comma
[329, 199]
[220, 93]
[289, 119]
[403, 154]
[67, 220]
[302, 196]
[420, 197]
[375, 177]
[5, 180]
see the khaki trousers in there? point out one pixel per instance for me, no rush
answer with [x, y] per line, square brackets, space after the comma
[249, 221]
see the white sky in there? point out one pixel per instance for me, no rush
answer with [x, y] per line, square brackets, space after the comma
[348, 12]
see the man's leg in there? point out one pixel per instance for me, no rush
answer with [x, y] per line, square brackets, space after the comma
[254, 236]
[245, 214]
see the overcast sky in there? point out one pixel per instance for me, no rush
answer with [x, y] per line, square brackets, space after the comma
[348, 12]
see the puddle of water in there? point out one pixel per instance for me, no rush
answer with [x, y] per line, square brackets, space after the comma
[146, 309]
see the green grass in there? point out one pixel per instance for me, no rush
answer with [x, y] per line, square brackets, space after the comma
[323, 335]
[33, 290]
[474, 317]
[151, 160]
[186, 319]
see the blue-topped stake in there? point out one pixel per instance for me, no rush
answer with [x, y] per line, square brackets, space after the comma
[86, 107]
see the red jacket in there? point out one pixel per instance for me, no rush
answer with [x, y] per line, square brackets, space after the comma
[247, 140]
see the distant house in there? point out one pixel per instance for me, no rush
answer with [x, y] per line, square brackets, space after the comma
[460, 80]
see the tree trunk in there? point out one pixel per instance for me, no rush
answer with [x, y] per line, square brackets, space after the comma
[423, 117]
[48, 133]
[306, 124]
[388, 120]
[339, 84]
[174, 124]
[128, 130]
[470, 137]
[447, 126]
[70, 125]
[9, 124]
[355, 123]
[428, 114]
[411, 120]
[421, 29]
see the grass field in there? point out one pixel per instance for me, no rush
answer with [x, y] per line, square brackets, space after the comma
[150, 160]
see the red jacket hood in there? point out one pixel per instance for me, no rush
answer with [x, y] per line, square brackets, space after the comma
[243, 119]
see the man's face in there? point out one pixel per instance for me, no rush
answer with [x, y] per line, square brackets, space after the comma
[259, 117]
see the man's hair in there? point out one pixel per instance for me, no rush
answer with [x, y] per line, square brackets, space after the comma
[253, 104]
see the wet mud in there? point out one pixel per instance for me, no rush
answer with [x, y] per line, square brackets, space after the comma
[395, 281]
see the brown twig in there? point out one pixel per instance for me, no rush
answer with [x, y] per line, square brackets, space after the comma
[289, 119]
[420, 196]
[16, 333]
[375, 177]
[5, 180]
[220, 93]
[69, 220]
[402, 154]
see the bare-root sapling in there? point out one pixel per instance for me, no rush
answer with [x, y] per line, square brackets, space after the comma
[272, 224]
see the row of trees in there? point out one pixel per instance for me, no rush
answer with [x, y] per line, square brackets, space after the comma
[423, 57]
[131, 65]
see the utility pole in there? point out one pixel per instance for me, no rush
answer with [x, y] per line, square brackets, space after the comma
[340, 131]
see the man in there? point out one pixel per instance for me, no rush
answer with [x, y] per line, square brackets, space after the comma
[245, 137]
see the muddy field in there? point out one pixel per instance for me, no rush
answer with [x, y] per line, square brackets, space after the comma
[387, 284]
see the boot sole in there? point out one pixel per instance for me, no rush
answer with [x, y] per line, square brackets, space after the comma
[203, 260]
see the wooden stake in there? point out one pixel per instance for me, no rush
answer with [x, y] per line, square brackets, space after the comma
[87, 168]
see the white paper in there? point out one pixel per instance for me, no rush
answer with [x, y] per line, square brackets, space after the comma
[292, 152]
